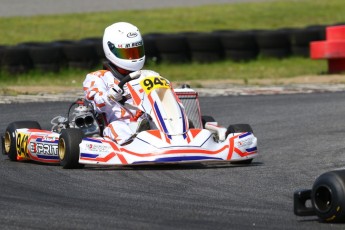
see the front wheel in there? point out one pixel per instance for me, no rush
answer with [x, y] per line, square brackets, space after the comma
[10, 141]
[206, 119]
[239, 128]
[69, 148]
[328, 196]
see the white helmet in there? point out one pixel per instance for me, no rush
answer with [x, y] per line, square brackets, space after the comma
[124, 46]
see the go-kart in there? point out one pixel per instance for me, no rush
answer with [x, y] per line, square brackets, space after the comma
[171, 129]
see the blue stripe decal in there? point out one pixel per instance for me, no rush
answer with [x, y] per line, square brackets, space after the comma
[244, 135]
[183, 118]
[160, 118]
[251, 149]
[179, 159]
[92, 140]
[48, 157]
[88, 155]
[46, 141]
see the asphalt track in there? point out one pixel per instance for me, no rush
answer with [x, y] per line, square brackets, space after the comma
[300, 136]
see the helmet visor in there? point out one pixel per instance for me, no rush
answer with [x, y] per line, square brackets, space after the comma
[129, 53]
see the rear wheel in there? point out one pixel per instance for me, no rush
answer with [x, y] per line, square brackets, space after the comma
[69, 148]
[205, 119]
[10, 142]
[240, 128]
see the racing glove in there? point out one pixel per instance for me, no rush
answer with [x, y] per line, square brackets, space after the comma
[115, 93]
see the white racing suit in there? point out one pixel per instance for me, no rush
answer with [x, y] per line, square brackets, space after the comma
[95, 88]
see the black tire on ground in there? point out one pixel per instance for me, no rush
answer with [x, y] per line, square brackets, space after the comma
[206, 57]
[273, 39]
[10, 141]
[328, 196]
[275, 53]
[241, 55]
[16, 60]
[239, 128]
[97, 42]
[151, 50]
[46, 57]
[300, 51]
[81, 55]
[2, 52]
[69, 148]
[205, 47]
[239, 40]
[205, 119]
[173, 48]
[304, 36]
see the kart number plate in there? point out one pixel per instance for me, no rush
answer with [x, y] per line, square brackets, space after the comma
[151, 83]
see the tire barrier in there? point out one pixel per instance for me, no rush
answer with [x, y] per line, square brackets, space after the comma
[173, 48]
[239, 45]
[301, 39]
[274, 44]
[202, 47]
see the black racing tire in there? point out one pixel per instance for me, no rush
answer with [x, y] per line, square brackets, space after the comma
[205, 119]
[204, 42]
[46, 57]
[10, 141]
[239, 128]
[173, 48]
[273, 39]
[206, 57]
[303, 37]
[16, 60]
[239, 40]
[241, 55]
[300, 51]
[278, 53]
[81, 55]
[97, 42]
[151, 51]
[328, 196]
[69, 141]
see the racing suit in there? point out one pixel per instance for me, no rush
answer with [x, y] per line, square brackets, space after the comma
[96, 88]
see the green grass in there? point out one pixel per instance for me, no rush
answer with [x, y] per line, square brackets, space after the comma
[257, 15]
[243, 16]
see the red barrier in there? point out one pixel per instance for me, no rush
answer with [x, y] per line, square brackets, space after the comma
[332, 49]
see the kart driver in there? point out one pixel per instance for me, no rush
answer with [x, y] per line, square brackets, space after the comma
[124, 49]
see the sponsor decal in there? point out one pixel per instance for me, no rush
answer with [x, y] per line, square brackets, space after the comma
[49, 138]
[132, 34]
[97, 148]
[245, 142]
[130, 45]
[44, 149]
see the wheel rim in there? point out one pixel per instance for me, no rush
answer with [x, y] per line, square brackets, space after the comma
[62, 149]
[7, 142]
[323, 198]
